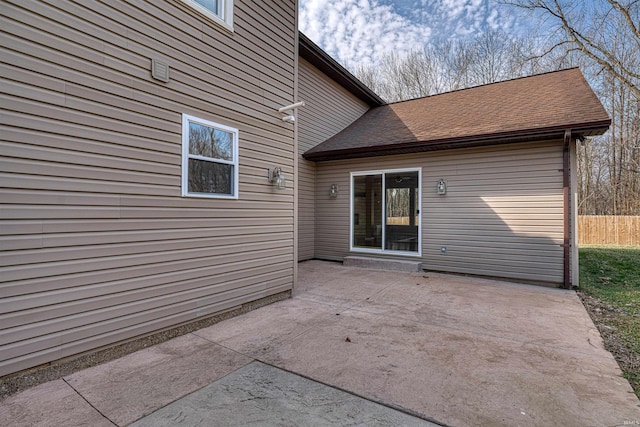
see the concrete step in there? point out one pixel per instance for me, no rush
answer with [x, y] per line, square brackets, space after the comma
[382, 263]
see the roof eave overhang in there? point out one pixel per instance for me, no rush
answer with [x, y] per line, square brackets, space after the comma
[577, 130]
[319, 59]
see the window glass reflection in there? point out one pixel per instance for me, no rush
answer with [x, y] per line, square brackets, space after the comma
[209, 142]
[209, 177]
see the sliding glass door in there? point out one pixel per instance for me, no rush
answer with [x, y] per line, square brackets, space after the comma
[366, 205]
[385, 211]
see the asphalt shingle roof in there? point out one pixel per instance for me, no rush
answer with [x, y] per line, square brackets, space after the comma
[536, 107]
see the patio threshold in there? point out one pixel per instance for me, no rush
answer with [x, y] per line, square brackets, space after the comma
[382, 263]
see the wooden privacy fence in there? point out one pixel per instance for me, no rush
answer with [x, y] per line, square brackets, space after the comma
[608, 230]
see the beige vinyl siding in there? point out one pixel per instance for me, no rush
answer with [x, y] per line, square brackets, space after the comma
[328, 109]
[96, 243]
[502, 215]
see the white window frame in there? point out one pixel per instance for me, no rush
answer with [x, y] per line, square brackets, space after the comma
[186, 119]
[225, 18]
[382, 172]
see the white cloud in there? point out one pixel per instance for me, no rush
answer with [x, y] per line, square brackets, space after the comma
[361, 31]
[462, 18]
[492, 20]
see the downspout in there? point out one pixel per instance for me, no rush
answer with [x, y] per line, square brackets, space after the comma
[567, 222]
[296, 154]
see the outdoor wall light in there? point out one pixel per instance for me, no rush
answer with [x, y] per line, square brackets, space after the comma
[442, 186]
[333, 191]
[277, 179]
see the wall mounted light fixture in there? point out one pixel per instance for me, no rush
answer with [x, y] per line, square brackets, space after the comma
[333, 191]
[277, 179]
[442, 186]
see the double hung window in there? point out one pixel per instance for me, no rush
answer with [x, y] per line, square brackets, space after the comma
[220, 11]
[209, 159]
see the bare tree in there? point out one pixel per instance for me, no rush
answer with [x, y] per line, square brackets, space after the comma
[448, 65]
[602, 40]
[597, 30]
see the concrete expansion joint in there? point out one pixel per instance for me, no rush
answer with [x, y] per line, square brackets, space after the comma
[360, 396]
[88, 402]
[195, 334]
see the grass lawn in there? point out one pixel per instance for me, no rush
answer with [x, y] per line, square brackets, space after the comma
[610, 289]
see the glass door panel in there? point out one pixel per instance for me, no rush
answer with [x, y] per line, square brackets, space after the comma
[401, 211]
[367, 211]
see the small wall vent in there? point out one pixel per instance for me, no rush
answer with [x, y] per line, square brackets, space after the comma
[160, 70]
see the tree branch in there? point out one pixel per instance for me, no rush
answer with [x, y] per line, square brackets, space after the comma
[627, 16]
[608, 60]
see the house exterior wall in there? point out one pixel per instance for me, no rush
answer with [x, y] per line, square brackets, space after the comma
[96, 243]
[502, 215]
[328, 109]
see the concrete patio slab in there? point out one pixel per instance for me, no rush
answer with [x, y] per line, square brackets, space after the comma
[135, 385]
[314, 273]
[352, 292]
[532, 314]
[262, 331]
[50, 404]
[456, 350]
[259, 394]
[342, 288]
[459, 378]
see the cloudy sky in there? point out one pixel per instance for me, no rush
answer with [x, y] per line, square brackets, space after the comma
[360, 31]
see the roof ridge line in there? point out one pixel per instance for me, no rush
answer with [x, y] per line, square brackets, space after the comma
[485, 84]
